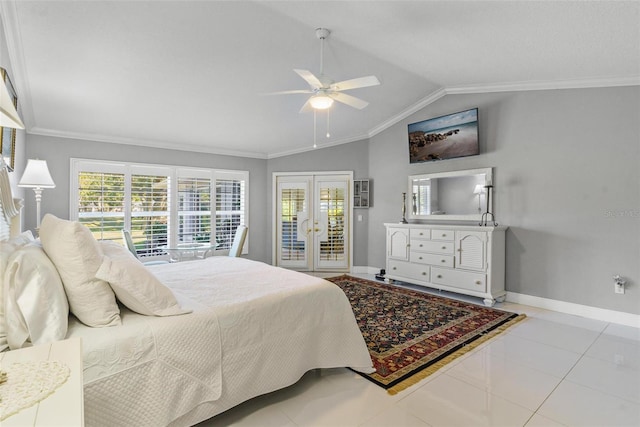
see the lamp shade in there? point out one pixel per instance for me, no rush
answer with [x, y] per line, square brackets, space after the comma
[9, 117]
[479, 189]
[36, 175]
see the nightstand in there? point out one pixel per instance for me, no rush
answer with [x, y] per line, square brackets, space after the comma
[64, 407]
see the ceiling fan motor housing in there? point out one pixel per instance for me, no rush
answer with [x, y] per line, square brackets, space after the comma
[322, 33]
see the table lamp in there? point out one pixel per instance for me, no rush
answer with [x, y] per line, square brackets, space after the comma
[36, 175]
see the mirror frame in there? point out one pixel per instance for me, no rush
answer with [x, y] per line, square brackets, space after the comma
[488, 180]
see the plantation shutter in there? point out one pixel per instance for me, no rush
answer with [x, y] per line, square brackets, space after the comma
[150, 208]
[194, 206]
[230, 207]
[101, 204]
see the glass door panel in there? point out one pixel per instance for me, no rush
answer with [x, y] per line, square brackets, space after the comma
[293, 225]
[331, 223]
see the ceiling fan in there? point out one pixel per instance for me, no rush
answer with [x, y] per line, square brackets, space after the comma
[323, 90]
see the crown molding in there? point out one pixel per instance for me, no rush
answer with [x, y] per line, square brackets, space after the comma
[545, 85]
[146, 143]
[429, 99]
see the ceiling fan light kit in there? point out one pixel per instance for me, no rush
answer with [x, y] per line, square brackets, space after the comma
[320, 102]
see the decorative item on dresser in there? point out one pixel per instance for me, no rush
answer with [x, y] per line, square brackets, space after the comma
[465, 259]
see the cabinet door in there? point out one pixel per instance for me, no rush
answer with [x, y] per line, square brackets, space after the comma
[471, 250]
[398, 243]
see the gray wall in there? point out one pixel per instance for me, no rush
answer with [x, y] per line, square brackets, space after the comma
[59, 151]
[347, 157]
[567, 183]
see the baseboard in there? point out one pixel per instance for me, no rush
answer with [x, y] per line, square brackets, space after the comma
[365, 270]
[596, 313]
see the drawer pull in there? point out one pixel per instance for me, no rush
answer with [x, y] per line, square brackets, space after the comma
[393, 268]
[444, 247]
[439, 276]
[424, 273]
[478, 282]
[419, 257]
[444, 235]
[443, 260]
[421, 234]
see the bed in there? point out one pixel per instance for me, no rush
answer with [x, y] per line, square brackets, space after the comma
[179, 343]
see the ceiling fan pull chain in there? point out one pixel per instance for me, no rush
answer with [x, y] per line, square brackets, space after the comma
[314, 129]
[328, 134]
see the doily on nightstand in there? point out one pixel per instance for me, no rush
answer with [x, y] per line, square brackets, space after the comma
[29, 383]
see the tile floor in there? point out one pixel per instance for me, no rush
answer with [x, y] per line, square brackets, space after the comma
[552, 369]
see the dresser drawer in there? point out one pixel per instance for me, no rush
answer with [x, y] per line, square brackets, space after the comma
[459, 279]
[446, 235]
[431, 246]
[432, 259]
[420, 233]
[418, 272]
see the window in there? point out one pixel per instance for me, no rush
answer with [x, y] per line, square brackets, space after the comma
[161, 205]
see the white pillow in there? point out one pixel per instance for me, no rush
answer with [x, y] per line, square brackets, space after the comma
[7, 248]
[36, 306]
[135, 286]
[77, 256]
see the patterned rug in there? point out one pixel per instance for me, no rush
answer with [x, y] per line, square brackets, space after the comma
[412, 334]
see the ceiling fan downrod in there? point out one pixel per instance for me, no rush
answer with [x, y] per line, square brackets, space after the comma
[322, 33]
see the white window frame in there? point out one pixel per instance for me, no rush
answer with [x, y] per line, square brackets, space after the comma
[173, 172]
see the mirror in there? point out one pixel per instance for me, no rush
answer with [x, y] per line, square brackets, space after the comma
[456, 195]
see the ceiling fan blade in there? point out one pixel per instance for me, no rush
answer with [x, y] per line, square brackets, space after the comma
[356, 83]
[349, 100]
[306, 107]
[288, 92]
[309, 78]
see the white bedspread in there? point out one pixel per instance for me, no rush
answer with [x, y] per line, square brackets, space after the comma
[254, 329]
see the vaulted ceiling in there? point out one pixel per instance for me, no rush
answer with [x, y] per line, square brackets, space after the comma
[192, 74]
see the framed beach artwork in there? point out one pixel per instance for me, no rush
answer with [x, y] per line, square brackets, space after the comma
[8, 135]
[444, 137]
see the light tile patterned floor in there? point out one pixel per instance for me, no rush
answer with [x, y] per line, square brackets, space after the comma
[552, 369]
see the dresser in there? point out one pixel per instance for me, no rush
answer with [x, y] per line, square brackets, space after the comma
[457, 258]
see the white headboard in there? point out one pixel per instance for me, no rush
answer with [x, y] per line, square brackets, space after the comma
[9, 207]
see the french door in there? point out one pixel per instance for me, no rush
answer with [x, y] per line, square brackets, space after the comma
[312, 222]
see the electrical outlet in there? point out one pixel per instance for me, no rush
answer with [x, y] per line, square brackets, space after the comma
[618, 284]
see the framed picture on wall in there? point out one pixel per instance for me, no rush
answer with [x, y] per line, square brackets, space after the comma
[445, 137]
[8, 135]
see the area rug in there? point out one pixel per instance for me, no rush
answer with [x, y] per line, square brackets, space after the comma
[412, 334]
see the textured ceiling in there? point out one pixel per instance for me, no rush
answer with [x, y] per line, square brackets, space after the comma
[192, 74]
